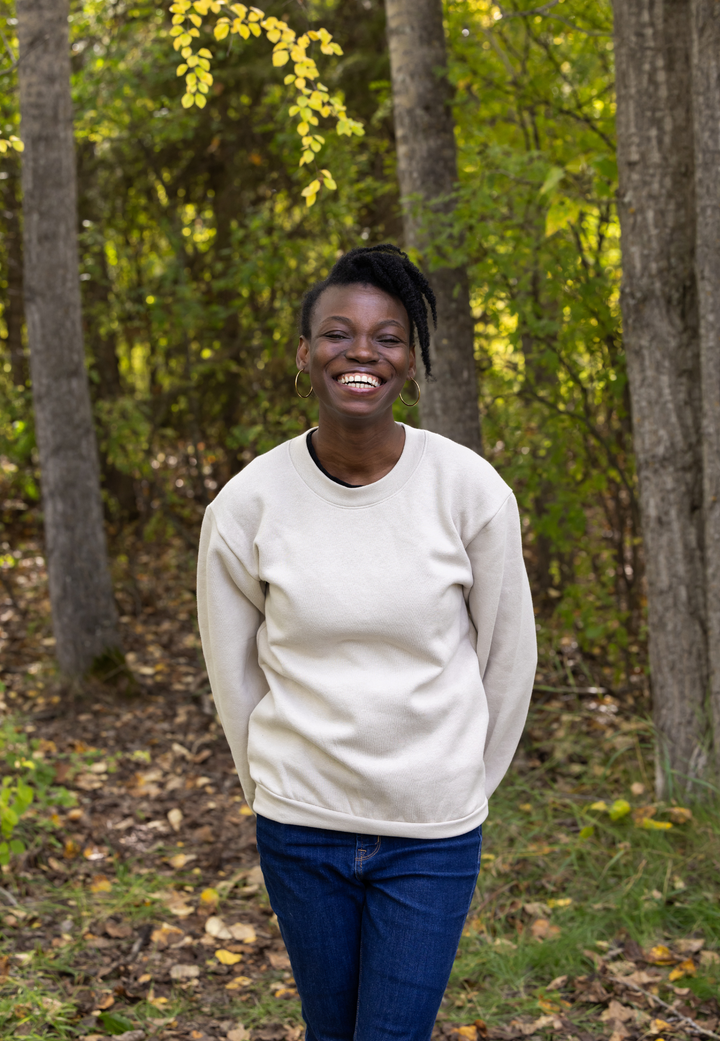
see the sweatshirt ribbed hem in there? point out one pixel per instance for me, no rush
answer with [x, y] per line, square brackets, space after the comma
[287, 811]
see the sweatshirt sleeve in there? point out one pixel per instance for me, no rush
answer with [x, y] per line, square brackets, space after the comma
[501, 610]
[230, 612]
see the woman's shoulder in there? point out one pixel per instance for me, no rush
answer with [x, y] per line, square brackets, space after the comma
[259, 482]
[468, 485]
[457, 461]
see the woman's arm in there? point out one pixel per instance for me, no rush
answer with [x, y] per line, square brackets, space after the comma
[230, 611]
[501, 610]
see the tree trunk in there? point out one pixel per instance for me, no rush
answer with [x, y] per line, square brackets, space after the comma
[83, 609]
[706, 104]
[427, 171]
[660, 317]
[14, 314]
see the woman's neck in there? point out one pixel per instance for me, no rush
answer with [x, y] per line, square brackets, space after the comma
[359, 454]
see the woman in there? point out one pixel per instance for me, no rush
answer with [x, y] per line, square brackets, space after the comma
[370, 641]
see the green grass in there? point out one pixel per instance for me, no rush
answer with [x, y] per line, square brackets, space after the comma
[543, 844]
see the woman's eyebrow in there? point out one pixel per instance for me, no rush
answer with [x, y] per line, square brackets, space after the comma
[344, 318]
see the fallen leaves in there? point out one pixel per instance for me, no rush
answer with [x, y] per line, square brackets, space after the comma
[175, 817]
[685, 968]
[217, 928]
[661, 955]
[227, 957]
[184, 972]
[100, 884]
[542, 929]
[164, 935]
[180, 860]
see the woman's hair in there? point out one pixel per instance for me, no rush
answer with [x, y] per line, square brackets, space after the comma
[386, 267]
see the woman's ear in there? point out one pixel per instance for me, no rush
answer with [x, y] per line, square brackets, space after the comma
[303, 354]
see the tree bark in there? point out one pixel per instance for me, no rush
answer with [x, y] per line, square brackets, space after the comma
[427, 171]
[83, 608]
[706, 104]
[660, 317]
[14, 313]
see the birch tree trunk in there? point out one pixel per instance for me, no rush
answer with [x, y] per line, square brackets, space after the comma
[706, 104]
[83, 608]
[660, 319]
[427, 171]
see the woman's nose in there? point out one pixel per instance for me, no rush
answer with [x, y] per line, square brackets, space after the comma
[362, 346]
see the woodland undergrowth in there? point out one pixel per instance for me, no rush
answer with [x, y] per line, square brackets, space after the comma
[137, 907]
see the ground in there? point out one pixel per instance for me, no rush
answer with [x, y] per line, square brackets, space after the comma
[137, 908]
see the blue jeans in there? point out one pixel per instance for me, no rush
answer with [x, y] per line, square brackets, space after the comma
[371, 925]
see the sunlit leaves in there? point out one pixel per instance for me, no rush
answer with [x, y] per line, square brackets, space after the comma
[288, 46]
[11, 142]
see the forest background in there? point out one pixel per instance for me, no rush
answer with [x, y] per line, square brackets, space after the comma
[195, 249]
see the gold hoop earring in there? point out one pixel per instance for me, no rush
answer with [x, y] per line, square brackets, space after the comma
[410, 404]
[297, 377]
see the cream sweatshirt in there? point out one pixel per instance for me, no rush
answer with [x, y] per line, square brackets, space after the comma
[371, 650]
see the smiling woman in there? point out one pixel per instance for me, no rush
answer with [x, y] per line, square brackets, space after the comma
[357, 343]
[370, 641]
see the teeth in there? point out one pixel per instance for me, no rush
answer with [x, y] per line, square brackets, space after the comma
[362, 379]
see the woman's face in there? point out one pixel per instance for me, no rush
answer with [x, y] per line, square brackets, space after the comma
[359, 354]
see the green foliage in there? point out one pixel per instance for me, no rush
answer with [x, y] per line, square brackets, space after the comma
[312, 101]
[27, 781]
[196, 249]
[536, 225]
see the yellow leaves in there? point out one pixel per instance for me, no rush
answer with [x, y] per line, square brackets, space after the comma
[587, 832]
[181, 859]
[100, 884]
[680, 815]
[620, 808]
[237, 983]
[309, 193]
[227, 957]
[287, 45]
[209, 897]
[660, 1026]
[652, 825]
[661, 955]
[685, 968]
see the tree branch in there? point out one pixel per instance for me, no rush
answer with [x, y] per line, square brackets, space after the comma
[543, 12]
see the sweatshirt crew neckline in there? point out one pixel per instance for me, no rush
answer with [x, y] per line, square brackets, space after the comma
[365, 494]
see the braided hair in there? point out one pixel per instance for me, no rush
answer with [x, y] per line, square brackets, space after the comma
[386, 267]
